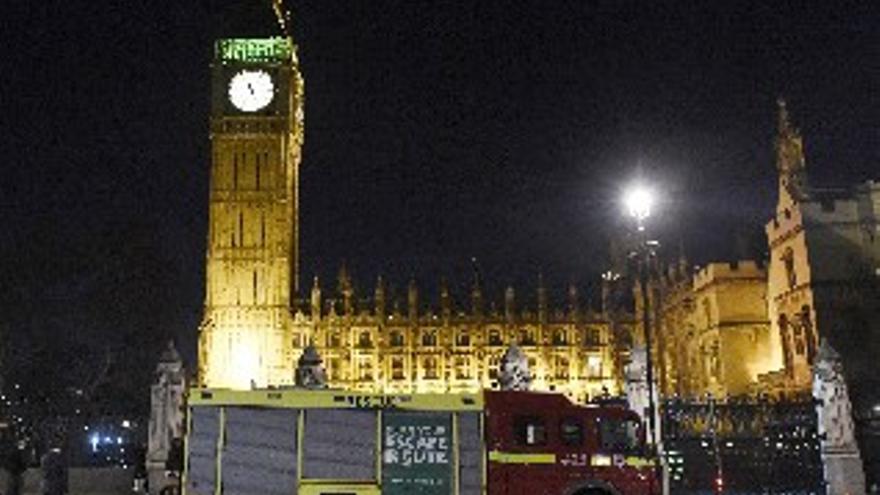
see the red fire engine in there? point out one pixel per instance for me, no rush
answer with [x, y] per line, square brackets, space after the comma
[331, 442]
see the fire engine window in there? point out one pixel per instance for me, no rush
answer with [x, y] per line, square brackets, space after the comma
[618, 435]
[530, 430]
[571, 431]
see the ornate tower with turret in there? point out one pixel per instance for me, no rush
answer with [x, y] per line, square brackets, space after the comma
[252, 257]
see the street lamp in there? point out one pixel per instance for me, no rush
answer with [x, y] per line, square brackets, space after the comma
[639, 201]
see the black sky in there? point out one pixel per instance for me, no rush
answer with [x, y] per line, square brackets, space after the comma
[435, 132]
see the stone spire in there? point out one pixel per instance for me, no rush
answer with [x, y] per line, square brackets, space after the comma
[476, 293]
[513, 373]
[316, 300]
[412, 300]
[309, 370]
[683, 265]
[346, 290]
[789, 157]
[509, 305]
[445, 302]
[573, 303]
[542, 299]
[379, 299]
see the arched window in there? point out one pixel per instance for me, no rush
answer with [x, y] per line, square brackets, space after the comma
[494, 363]
[463, 339]
[365, 372]
[462, 369]
[561, 366]
[798, 335]
[397, 368]
[809, 332]
[396, 339]
[365, 339]
[495, 337]
[430, 364]
[592, 337]
[786, 342]
[788, 263]
[559, 337]
[429, 339]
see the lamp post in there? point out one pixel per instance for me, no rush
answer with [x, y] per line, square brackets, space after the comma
[638, 201]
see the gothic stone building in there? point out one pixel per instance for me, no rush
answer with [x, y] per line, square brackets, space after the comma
[447, 349]
[824, 267]
[729, 329]
[713, 332]
[254, 330]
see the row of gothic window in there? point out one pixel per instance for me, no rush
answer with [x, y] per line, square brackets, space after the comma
[592, 338]
[461, 368]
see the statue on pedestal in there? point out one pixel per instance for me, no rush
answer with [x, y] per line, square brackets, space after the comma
[309, 370]
[513, 372]
[166, 418]
[840, 453]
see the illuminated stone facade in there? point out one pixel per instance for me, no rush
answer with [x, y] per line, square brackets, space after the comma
[367, 346]
[823, 270]
[252, 258]
[730, 329]
[713, 332]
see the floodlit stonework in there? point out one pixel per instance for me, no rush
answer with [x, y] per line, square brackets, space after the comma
[252, 258]
[440, 347]
[736, 328]
[823, 267]
[714, 336]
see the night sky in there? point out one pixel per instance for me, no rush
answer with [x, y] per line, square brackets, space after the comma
[436, 132]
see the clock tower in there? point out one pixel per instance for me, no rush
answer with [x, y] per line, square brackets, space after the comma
[253, 235]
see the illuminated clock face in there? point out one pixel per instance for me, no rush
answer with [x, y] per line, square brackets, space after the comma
[251, 90]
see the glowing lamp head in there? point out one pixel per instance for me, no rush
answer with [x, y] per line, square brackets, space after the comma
[638, 201]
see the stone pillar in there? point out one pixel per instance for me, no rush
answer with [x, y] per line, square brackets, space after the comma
[542, 300]
[445, 302]
[166, 419]
[513, 373]
[573, 303]
[309, 370]
[509, 305]
[637, 391]
[412, 302]
[316, 301]
[379, 300]
[843, 469]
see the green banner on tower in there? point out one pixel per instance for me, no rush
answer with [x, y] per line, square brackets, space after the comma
[417, 453]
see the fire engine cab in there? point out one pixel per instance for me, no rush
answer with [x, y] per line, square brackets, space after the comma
[332, 442]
